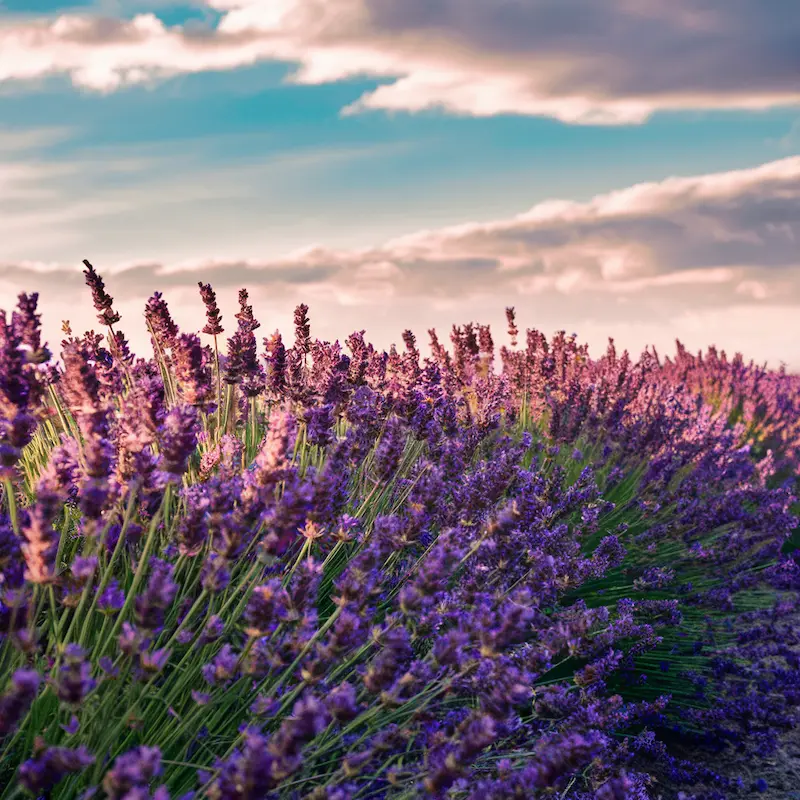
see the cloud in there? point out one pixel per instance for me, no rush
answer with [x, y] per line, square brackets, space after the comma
[684, 248]
[578, 61]
[791, 140]
[186, 192]
[16, 141]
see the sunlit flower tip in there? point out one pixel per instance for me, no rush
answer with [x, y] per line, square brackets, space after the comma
[192, 370]
[312, 531]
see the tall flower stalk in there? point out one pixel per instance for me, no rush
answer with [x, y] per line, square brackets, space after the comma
[213, 327]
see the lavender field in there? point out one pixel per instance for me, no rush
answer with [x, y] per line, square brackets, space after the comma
[239, 568]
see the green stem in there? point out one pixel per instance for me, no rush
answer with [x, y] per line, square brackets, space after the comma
[11, 504]
[138, 577]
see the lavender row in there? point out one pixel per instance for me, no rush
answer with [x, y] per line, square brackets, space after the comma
[241, 569]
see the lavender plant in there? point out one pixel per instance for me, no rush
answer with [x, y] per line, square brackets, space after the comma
[308, 574]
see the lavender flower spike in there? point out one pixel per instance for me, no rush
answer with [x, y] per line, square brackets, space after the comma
[103, 301]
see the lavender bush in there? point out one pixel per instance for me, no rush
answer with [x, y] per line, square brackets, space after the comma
[295, 572]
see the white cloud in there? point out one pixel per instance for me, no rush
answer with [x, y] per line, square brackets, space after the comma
[649, 258]
[579, 61]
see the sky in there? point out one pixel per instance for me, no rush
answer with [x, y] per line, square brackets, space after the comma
[625, 169]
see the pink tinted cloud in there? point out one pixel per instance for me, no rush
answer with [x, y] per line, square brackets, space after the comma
[703, 242]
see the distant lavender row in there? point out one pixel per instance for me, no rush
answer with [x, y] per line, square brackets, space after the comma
[299, 572]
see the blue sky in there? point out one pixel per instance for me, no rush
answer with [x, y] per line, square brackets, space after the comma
[310, 191]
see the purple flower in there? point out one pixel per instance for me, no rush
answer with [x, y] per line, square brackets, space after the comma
[177, 440]
[154, 661]
[268, 605]
[130, 641]
[74, 679]
[107, 665]
[319, 421]
[103, 301]
[214, 574]
[12, 565]
[247, 773]
[276, 447]
[213, 326]
[213, 630]
[245, 316]
[193, 523]
[201, 698]
[223, 668]
[132, 770]
[242, 365]
[83, 568]
[302, 329]
[41, 538]
[72, 726]
[192, 370]
[308, 719]
[111, 599]
[17, 699]
[394, 655]
[158, 596]
[160, 322]
[448, 764]
[275, 357]
[342, 702]
[40, 774]
[390, 448]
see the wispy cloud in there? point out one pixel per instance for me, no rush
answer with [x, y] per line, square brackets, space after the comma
[20, 141]
[167, 188]
[791, 141]
[577, 61]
